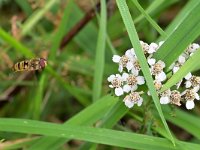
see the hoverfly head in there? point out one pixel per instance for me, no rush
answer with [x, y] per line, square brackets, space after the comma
[43, 63]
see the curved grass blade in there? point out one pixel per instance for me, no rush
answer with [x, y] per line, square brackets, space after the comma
[185, 120]
[180, 17]
[151, 21]
[182, 36]
[60, 32]
[38, 97]
[25, 6]
[36, 16]
[100, 54]
[142, 60]
[85, 117]
[96, 135]
[152, 7]
[14, 43]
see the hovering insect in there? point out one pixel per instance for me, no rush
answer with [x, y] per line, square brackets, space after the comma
[30, 65]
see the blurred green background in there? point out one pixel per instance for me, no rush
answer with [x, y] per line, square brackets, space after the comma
[36, 28]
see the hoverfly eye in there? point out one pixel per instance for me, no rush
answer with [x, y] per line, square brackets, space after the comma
[42, 62]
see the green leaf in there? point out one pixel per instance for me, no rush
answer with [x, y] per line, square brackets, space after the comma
[14, 43]
[151, 8]
[180, 17]
[181, 37]
[56, 40]
[24, 6]
[151, 21]
[96, 135]
[141, 58]
[38, 97]
[100, 54]
[185, 120]
[36, 16]
[86, 117]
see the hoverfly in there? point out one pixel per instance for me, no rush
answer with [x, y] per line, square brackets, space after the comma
[30, 65]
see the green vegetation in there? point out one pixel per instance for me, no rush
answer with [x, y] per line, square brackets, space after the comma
[69, 104]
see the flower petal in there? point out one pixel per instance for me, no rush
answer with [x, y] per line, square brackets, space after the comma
[188, 76]
[161, 63]
[134, 87]
[118, 75]
[126, 88]
[190, 104]
[125, 76]
[196, 88]
[120, 69]
[119, 91]
[111, 86]
[128, 103]
[151, 61]
[139, 103]
[129, 53]
[140, 80]
[181, 59]
[134, 71]
[129, 65]
[188, 84]
[196, 96]
[175, 69]
[110, 78]
[152, 48]
[164, 100]
[161, 76]
[116, 58]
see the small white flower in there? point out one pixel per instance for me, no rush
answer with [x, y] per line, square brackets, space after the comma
[133, 98]
[157, 84]
[192, 48]
[165, 97]
[157, 69]
[116, 82]
[190, 95]
[145, 47]
[175, 97]
[181, 59]
[136, 67]
[192, 81]
[152, 48]
[126, 61]
[175, 69]
[132, 81]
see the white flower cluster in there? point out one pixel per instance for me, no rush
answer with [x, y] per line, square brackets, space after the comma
[130, 77]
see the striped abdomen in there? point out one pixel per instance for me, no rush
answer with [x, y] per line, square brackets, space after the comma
[22, 66]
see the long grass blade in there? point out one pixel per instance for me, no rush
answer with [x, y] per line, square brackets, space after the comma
[36, 16]
[184, 34]
[100, 54]
[96, 135]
